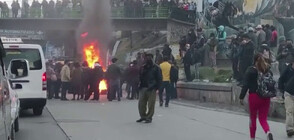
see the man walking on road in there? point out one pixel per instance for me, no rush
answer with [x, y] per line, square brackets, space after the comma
[286, 83]
[165, 69]
[65, 79]
[150, 80]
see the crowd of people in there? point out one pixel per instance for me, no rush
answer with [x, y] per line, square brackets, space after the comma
[252, 54]
[199, 50]
[179, 10]
[46, 9]
[147, 74]
[196, 49]
[185, 11]
[82, 81]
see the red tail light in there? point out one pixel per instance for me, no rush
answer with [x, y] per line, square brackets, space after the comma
[44, 81]
[44, 77]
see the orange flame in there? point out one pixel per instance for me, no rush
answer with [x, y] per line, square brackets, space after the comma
[91, 55]
[91, 52]
[102, 85]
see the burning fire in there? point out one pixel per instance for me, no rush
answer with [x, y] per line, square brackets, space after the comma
[102, 85]
[92, 56]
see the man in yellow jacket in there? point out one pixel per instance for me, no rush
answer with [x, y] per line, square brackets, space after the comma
[165, 67]
[65, 79]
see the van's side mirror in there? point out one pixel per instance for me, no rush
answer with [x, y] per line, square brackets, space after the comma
[18, 68]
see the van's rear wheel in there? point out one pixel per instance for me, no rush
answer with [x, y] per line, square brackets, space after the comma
[38, 111]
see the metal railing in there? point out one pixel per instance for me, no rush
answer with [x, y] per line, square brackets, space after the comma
[146, 12]
[117, 12]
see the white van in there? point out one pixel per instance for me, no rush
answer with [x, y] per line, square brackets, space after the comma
[33, 93]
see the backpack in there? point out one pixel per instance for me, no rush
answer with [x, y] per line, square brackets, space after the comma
[266, 85]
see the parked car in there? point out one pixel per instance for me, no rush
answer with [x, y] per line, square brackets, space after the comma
[9, 103]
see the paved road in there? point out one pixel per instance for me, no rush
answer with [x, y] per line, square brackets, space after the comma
[39, 128]
[116, 121]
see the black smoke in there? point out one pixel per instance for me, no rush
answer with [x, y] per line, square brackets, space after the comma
[97, 22]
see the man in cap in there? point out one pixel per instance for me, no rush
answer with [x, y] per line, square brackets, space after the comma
[150, 82]
[252, 37]
[260, 35]
[96, 75]
[286, 83]
[113, 76]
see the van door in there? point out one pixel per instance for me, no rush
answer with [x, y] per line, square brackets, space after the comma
[2, 118]
[6, 102]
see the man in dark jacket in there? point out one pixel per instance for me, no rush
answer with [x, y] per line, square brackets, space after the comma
[188, 61]
[86, 79]
[113, 76]
[45, 8]
[96, 77]
[283, 53]
[286, 83]
[158, 57]
[268, 33]
[150, 82]
[132, 73]
[167, 51]
[15, 8]
[234, 56]
[191, 37]
[246, 55]
[174, 77]
[199, 46]
[182, 44]
[252, 37]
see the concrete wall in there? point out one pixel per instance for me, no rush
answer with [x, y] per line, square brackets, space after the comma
[176, 29]
[206, 92]
[224, 93]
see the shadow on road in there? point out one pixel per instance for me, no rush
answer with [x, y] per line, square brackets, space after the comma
[27, 114]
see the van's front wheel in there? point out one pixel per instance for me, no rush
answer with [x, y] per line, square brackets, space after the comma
[38, 111]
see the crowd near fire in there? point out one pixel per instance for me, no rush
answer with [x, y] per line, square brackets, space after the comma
[213, 48]
[91, 54]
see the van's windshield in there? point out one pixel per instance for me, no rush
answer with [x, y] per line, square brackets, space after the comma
[32, 55]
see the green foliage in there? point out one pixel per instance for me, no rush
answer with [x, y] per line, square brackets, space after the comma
[219, 76]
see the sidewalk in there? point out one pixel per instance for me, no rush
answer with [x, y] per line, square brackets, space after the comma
[116, 121]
